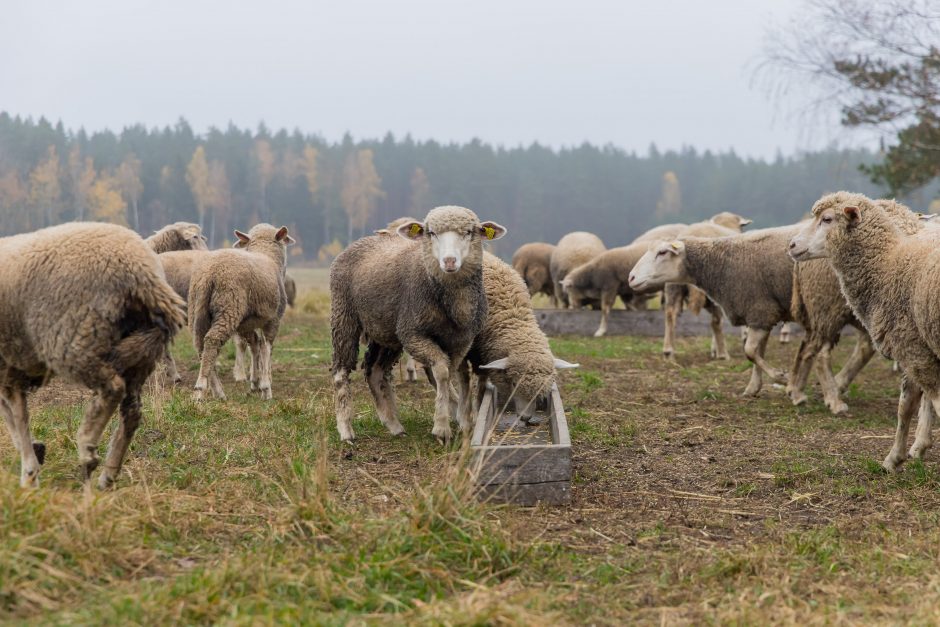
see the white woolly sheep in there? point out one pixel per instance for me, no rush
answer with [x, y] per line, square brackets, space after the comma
[888, 274]
[177, 236]
[87, 302]
[572, 250]
[533, 262]
[239, 290]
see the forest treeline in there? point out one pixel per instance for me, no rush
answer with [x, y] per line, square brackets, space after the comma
[331, 192]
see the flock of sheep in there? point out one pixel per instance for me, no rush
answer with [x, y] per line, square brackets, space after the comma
[98, 305]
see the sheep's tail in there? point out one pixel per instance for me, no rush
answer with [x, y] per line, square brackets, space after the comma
[200, 311]
[153, 315]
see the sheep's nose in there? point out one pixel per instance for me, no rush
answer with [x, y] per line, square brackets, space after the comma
[632, 278]
[450, 264]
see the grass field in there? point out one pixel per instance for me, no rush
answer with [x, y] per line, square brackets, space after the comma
[689, 505]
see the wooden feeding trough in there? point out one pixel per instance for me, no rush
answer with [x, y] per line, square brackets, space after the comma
[522, 463]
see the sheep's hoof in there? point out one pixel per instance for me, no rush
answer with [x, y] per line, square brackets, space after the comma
[395, 428]
[199, 394]
[837, 407]
[893, 461]
[40, 449]
[798, 398]
[266, 394]
[919, 450]
[669, 355]
[750, 392]
[600, 333]
[723, 356]
[443, 435]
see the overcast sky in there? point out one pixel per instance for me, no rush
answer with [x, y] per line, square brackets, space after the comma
[673, 72]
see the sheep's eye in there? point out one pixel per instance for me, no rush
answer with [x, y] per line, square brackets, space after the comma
[432, 234]
[661, 253]
[827, 219]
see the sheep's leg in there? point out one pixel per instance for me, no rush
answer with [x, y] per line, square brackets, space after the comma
[908, 399]
[121, 439]
[212, 343]
[827, 382]
[427, 352]
[754, 349]
[10, 421]
[785, 333]
[29, 455]
[799, 373]
[923, 438]
[464, 409]
[253, 341]
[170, 365]
[411, 370]
[861, 355]
[378, 364]
[671, 306]
[607, 303]
[241, 346]
[343, 407]
[97, 415]
[719, 350]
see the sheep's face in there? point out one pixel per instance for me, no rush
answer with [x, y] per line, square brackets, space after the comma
[730, 220]
[194, 238]
[451, 235]
[525, 379]
[832, 214]
[663, 263]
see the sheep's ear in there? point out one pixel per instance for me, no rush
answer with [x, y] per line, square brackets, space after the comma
[491, 230]
[675, 247]
[411, 230]
[381, 232]
[242, 239]
[282, 236]
[854, 214]
[499, 364]
[742, 222]
[927, 217]
[561, 364]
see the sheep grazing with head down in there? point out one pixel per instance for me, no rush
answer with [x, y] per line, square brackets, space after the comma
[177, 236]
[888, 272]
[421, 292]
[748, 275]
[239, 290]
[533, 262]
[511, 351]
[573, 250]
[87, 302]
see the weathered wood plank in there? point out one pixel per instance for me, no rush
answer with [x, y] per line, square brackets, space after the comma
[534, 463]
[529, 494]
[648, 323]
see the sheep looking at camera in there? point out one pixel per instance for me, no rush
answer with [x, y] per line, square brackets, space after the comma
[421, 292]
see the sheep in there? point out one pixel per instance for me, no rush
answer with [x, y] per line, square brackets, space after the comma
[422, 292]
[239, 290]
[88, 302]
[748, 275]
[663, 231]
[888, 273]
[177, 236]
[677, 296]
[572, 250]
[511, 350]
[602, 279]
[290, 290]
[533, 263]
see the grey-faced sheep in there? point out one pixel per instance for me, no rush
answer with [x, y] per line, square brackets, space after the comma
[603, 279]
[573, 250]
[239, 290]
[889, 277]
[422, 292]
[677, 296]
[748, 275]
[177, 236]
[533, 262]
[511, 351]
[87, 302]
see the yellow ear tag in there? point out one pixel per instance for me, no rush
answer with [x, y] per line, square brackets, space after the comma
[415, 230]
[675, 245]
[490, 232]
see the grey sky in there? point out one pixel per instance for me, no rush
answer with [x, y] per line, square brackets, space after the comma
[511, 71]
